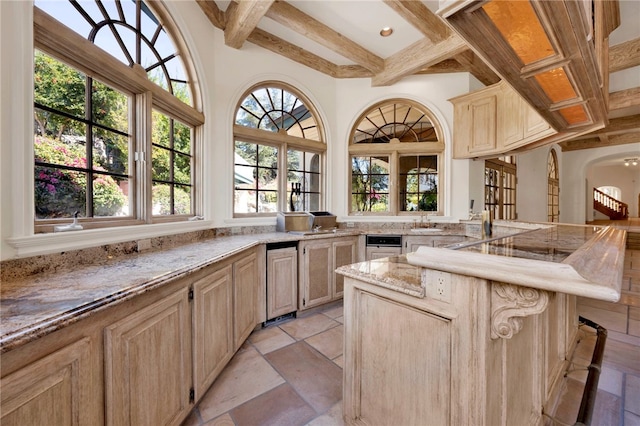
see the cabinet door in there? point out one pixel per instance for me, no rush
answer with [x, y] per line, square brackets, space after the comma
[344, 253]
[483, 125]
[411, 243]
[212, 323]
[386, 348]
[56, 390]
[245, 292]
[282, 282]
[148, 364]
[316, 273]
[380, 252]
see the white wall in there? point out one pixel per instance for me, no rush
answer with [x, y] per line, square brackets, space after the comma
[625, 178]
[531, 203]
[576, 196]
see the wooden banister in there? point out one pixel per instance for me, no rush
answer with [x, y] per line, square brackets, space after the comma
[609, 206]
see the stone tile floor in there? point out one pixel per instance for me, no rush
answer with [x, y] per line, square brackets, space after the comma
[291, 373]
[288, 373]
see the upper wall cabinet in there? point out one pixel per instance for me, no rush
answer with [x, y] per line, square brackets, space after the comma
[550, 52]
[493, 121]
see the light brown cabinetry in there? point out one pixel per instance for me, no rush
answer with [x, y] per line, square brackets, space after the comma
[144, 361]
[396, 366]
[318, 259]
[493, 121]
[282, 281]
[148, 364]
[212, 326]
[55, 390]
[245, 293]
[373, 253]
[224, 315]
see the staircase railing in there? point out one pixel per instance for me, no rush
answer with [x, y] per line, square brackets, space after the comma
[609, 206]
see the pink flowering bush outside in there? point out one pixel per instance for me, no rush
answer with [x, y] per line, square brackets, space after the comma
[60, 193]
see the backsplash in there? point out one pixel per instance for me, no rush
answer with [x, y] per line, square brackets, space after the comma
[49, 263]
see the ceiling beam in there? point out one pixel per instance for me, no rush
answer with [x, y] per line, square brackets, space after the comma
[624, 98]
[477, 67]
[446, 66]
[419, 55]
[303, 24]
[242, 19]
[422, 18]
[213, 12]
[282, 47]
[624, 55]
[596, 142]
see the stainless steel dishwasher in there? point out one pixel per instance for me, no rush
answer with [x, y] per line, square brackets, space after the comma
[379, 246]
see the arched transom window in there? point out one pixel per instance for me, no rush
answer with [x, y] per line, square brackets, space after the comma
[396, 160]
[278, 152]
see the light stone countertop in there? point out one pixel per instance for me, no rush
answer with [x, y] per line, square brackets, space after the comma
[580, 260]
[39, 304]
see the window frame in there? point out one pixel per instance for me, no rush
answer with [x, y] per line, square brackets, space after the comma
[283, 142]
[499, 209]
[553, 187]
[395, 149]
[64, 44]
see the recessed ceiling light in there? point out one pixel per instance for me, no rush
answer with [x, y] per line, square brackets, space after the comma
[386, 31]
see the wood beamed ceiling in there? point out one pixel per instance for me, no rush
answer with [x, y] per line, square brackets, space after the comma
[439, 51]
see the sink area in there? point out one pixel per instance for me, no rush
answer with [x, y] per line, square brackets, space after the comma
[305, 223]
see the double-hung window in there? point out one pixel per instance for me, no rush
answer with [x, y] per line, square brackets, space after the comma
[278, 152]
[114, 115]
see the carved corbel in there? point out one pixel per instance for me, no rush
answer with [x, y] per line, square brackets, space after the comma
[510, 303]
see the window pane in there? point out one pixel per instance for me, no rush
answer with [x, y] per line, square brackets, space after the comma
[110, 152]
[370, 184]
[110, 108]
[171, 165]
[419, 183]
[58, 86]
[161, 165]
[59, 193]
[109, 198]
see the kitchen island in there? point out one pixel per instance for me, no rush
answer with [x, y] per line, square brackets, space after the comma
[475, 333]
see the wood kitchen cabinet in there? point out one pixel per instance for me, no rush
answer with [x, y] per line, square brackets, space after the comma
[224, 314]
[148, 364]
[213, 327]
[245, 293]
[318, 259]
[399, 360]
[55, 390]
[282, 281]
[493, 121]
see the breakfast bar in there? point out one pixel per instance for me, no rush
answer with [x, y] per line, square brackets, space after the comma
[474, 333]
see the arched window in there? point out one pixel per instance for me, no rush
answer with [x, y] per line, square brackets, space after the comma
[500, 187]
[396, 144]
[553, 185]
[279, 150]
[114, 115]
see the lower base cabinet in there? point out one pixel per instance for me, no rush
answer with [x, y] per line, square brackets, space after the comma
[142, 362]
[148, 364]
[212, 331]
[318, 259]
[54, 390]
